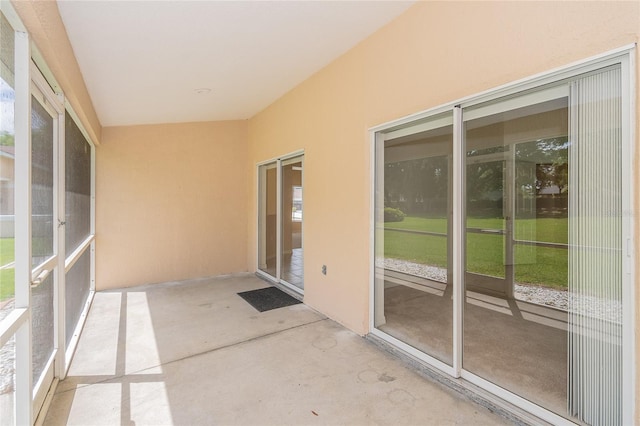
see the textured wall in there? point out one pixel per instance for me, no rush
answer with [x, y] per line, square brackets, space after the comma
[171, 202]
[434, 53]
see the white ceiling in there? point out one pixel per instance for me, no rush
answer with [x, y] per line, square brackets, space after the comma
[142, 61]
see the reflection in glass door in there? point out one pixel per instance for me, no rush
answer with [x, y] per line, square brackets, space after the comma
[44, 240]
[540, 232]
[280, 219]
[414, 286]
[515, 315]
[291, 255]
[268, 219]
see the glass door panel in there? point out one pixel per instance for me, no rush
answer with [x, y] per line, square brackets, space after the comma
[268, 219]
[414, 287]
[291, 247]
[280, 216]
[44, 130]
[543, 263]
[515, 311]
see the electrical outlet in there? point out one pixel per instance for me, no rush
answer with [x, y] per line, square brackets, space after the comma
[324, 269]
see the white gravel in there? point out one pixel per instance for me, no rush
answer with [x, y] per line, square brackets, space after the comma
[594, 307]
[559, 299]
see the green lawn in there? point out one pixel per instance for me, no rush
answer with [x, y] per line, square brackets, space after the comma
[7, 250]
[7, 283]
[485, 253]
[547, 230]
[7, 276]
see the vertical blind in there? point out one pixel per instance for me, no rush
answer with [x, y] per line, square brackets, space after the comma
[595, 254]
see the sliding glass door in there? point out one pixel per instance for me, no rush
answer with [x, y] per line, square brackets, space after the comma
[516, 252]
[268, 219]
[280, 219]
[291, 222]
[413, 237]
[502, 244]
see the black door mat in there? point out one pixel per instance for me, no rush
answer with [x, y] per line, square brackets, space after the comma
[266, 299]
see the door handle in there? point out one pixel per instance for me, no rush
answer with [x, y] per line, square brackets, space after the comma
[40, 278]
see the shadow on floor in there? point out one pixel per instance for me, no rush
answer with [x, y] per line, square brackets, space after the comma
[196, 353]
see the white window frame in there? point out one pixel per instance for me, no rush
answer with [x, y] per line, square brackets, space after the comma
[625, 56]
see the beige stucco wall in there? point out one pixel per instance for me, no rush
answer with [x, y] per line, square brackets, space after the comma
[434, 53]
[179, 201]
[172, 202]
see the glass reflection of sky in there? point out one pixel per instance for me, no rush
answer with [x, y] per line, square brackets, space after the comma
[7, 100]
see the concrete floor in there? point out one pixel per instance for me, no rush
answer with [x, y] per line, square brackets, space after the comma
[195, 353]
[519, 346]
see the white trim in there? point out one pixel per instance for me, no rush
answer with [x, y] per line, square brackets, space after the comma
[372, 228]
[43, 384]
[47, 402]
[276, 163]
[76, 119]
[303, 224]
[73, 342]
[445, 120]
[292, 154]
[47, 97]
[266, 276]
[9, 12]
[415, 353]
[516, 400]
[11, 323]
[554, 75]
[629, 309]
[54, 105]
[88, 244]
[48, 265]
[408, 119]
[92, 230]
[291, 287]
[258, 219]
[75, 255]
[44, 70]
[279, 220]
[536, 97]
[59, 186]
[22, 126]
[458, 237]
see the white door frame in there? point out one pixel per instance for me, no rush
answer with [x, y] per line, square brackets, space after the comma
[624, 56]
[278, 161]
[54, 105]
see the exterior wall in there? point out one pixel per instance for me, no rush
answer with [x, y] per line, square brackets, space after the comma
[434, 53]
[171, 202]
[45, 27]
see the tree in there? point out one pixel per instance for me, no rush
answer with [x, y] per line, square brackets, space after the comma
[6, 138]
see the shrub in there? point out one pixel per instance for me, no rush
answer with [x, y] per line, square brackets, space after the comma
[393, 215]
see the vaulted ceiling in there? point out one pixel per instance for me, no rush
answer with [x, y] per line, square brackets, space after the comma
[150, 62]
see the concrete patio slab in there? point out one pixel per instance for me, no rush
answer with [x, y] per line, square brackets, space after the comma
[195, 353]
